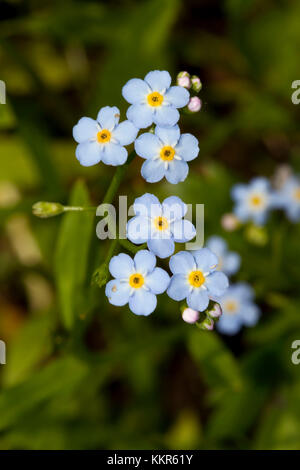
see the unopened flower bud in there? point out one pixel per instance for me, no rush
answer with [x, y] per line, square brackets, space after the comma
[101, 275]
[207, 324]
[196, 83]
[215, 312]
[45, 209]
[229, 222]
[194, 105]
[190, 316]
[256, 235]
[184, 80]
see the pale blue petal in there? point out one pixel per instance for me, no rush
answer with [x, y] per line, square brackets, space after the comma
[229, 324]
[85, 129]
[140, 114]
[114, 154]
[217, 283]
[153, 170]
[161, 247]
[243, 291]
[260, 183]
[250, 314]
[135, 90]
[182, 263]
[177, 171]
[231, 263]
[260, 218]
[217, 245]
[206, 260]
[158, 281]
[242, 212]
[138, 229]
[108, 117]
[144, 261]
[147, 145]
[177, 96]
[142, 302]
[117, 292]
[178, 288]
[198, 299]
[88, 153]
[158, 80]
[187, 147]
[165, 116]
[168, 135]
[121, 266]
[183, 231]
[239, 191]
[174, 208]
[147, 205]
[125, 133]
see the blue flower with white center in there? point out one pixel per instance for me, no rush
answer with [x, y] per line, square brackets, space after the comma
[154, 100]
[195, 278]
[160, 225]
[103, 139]
[137, 282]
[238, 309]
[288, 198]
[253, 201]
[229, 261]
[166, 153]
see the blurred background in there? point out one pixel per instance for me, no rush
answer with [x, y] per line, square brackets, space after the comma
[114, 380]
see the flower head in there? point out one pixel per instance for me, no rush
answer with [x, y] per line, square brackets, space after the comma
[103, 139]
[238, 309]
[137, 282]
[153, 100]
[253, 201]
[195, 278]
[160, 225]
[190, 316]
[288, 198]
[166, 153]
[229, 262]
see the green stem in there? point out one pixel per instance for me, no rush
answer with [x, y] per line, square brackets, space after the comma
[117, 179]
[80, 209]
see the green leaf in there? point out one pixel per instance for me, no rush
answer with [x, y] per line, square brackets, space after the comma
[71, 254]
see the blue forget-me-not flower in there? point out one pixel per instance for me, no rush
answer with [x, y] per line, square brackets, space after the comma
[288, 198]
[228, 261]
[160, 225]
[103, 139]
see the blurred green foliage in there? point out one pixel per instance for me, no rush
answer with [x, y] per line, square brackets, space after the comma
[81, 374]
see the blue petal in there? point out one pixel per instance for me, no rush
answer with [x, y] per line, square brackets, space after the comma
[158, 281]
[177, 171]
[147, 145]
[260, 183]
[168, 135]
[178, 288]
[174, 208]
[182, 263]
[121, 266]
[198, 299]
[229, 324]
[125, 133]
[85, 129]
[88, 153]
[231, 263]
[242, 290]
[250, 314]
[260, 218]
[183, 231]
[153, 170]
[147, 205]
[142, 302]
[135, 90]
[141, 115]
[138, 229]
[239, 191]
[158, 80]
[108, 117]
[161, 247]
[217, 245]
[187, 147]
[114, 154]
[117, 292]
[206, 260]
[177, 96]
[144, 261]
[217, 283]
[165, 116]
[242, 212]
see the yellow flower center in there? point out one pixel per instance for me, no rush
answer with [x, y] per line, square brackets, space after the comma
[161, 223]
[155, 99]
[231, 306]
[104, 136]
[196, 278]
[136, 280]
[297, 194]
[256, 201]
[167, 153]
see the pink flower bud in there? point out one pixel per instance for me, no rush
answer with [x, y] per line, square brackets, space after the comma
[196, 83]
[184, 82]
[208, 324]
[229, 222]
[215, 312]
[194, 104]
[190, 316]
